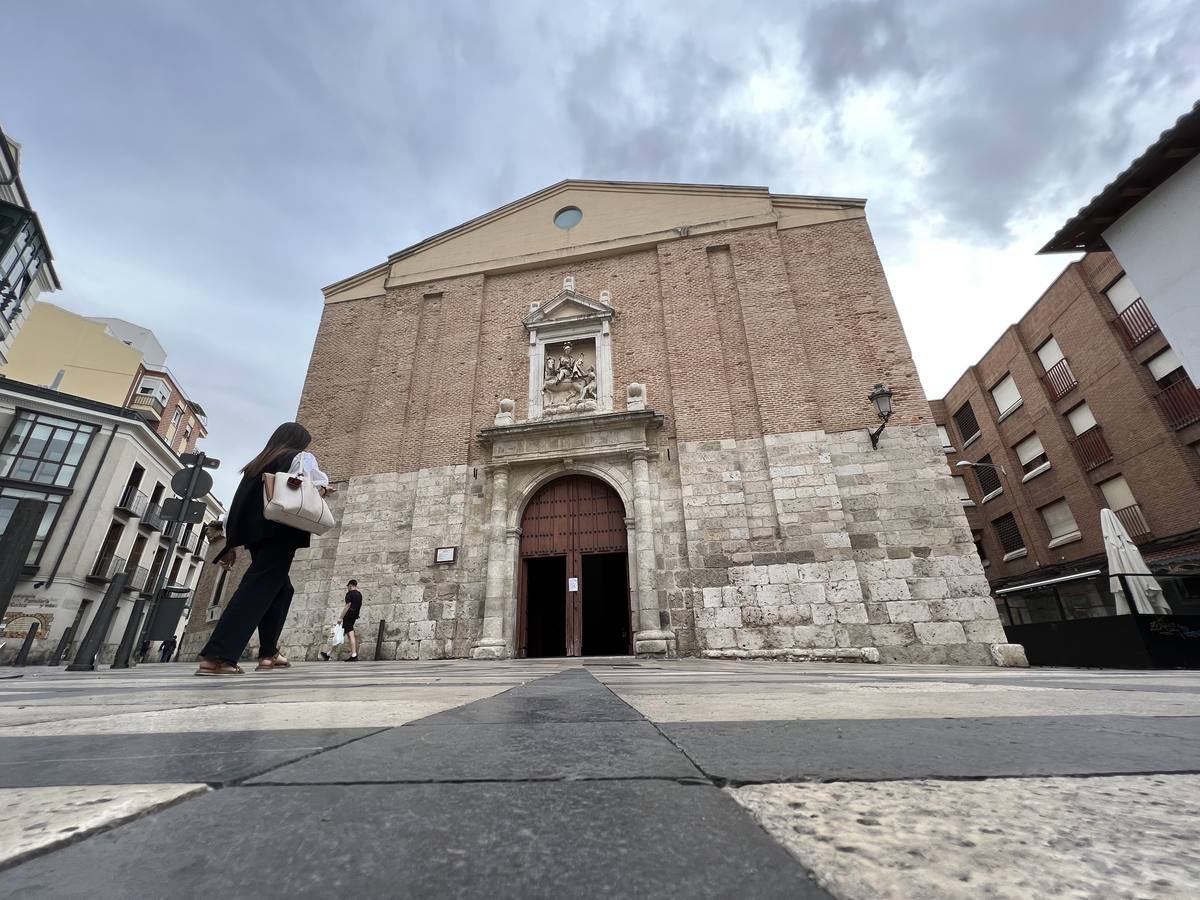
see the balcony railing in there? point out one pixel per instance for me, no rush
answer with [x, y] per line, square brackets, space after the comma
[187, 543]
[148, 405]
[1059, 380]
[133, 501]
[1135, 323]
[107, 565]
[201, 551]
[1134, 521]
[1181, 403]
[137, 578]
[1092, 449]
[152, 517]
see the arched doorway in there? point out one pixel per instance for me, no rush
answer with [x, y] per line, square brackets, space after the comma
[574, 575]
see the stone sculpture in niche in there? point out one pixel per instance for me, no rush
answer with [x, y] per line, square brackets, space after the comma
[568, 381]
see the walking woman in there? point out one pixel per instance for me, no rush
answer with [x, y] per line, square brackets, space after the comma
[265, 592]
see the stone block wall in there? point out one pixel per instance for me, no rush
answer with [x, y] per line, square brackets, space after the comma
[388, 528]
[873, 558]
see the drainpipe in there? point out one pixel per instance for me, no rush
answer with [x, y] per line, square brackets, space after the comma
[82, 504]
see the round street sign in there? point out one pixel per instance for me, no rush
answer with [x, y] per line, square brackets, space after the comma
[179, 482]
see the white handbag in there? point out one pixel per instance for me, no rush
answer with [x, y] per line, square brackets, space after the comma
[293, 500]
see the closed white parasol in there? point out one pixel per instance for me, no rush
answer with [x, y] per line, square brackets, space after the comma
[1124, 558]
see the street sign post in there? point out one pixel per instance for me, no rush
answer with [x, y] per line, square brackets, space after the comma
[188, 482]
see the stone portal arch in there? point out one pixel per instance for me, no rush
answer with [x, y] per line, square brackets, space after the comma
[573, 592]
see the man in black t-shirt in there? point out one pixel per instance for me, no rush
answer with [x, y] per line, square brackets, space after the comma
[350, 614]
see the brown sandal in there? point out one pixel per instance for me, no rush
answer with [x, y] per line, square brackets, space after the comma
[278, 661]
[223, 668]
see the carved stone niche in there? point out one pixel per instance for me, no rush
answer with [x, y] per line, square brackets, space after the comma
[570, 354]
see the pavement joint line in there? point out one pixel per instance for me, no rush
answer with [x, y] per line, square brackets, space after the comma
[694, 781]
[820, 779]
[89, 832]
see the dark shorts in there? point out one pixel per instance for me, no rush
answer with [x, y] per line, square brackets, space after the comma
[348, 623]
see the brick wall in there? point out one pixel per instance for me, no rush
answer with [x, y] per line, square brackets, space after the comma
[1162, 470]
[737, 334]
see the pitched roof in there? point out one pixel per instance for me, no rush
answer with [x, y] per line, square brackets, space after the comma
[1175, 147]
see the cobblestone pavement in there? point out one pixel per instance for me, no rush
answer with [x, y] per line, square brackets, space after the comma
[600, 778]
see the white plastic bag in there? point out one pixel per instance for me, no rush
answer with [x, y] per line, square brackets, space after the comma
[339, 635]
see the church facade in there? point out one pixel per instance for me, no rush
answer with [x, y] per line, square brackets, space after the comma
[626, 418]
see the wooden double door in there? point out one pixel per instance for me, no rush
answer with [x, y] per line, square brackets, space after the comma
[574, 576]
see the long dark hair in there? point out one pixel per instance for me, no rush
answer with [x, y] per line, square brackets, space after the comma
[290, 437]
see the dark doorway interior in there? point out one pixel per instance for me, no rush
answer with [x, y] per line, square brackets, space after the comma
[605, 604]
[546, 609]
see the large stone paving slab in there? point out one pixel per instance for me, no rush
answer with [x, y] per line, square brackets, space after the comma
[421, 752]
[35, 818]
[217, 757]
[742, 752]
[1012, 839]
[616, 839]
[570, 696]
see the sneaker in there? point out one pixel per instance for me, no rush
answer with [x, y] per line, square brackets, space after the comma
[324, 656]
[353, 658]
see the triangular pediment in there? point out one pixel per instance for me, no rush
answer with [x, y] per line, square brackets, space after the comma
[602, 218]
[568, 305]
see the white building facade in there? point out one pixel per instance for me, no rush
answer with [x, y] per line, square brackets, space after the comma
[104, 475]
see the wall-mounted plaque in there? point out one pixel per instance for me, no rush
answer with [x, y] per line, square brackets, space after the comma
[445, 555]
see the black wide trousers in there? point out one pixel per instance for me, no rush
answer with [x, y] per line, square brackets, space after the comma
[261, 601]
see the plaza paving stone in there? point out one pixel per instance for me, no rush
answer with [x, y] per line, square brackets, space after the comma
[602, 778]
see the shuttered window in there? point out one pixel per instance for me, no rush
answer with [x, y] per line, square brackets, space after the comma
[1165, 365]
[966, 423]
[1117, 493]
[1049, 354]
[1122, 294]
[989, 478]
[1031, 454]
[947, 444]
[1081, 418]
[1059, 520]
[963, 493]
[1005, 395]
[1008, 534]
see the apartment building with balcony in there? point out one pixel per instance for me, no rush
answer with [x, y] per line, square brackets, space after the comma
[1149, 217]
[104, 474]
[109, 360]
[26, 264]
[1081, 405]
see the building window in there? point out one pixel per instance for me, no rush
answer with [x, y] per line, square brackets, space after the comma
[1033, 458]
[22, 254]
[968, 426]
[44, 449]
[1059, 379]
[1166, 368]
[988, 478]
[1121, 501]
[9, 496]
[977, 537]
[1081, 419]
[947, 444]
[1060, 523]
[1122, 294]
[963, 493]
[1009, 536]
[1006, 396]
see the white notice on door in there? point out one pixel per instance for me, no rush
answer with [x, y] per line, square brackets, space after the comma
[572, 584]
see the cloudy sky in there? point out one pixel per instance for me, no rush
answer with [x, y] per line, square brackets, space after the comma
[204, 167]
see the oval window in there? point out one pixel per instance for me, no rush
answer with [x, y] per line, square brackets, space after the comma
[568, 217]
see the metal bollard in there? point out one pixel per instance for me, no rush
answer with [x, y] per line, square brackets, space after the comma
[28, 645]
[63, 644]
[379, 640]
[93, 640]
